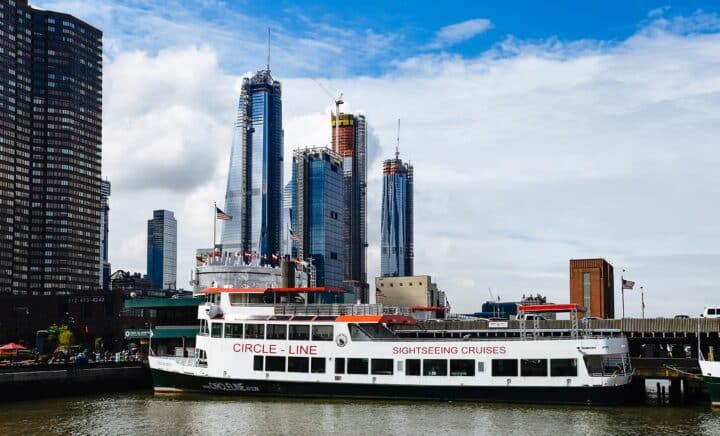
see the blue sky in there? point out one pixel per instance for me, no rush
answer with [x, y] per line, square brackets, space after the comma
[539, 131]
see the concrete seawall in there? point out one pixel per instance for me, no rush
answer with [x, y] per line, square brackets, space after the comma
[50, 381]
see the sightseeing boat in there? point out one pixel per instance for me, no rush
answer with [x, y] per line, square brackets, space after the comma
[273, 342]
[711, 378]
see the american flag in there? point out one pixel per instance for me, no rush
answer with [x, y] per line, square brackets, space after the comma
[293, 236]
[627, 284]
[219, 214]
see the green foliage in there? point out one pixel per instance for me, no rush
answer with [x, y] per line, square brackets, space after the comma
[65, 338]
[56, 330]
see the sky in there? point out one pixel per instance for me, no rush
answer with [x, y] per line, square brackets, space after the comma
[539, 131]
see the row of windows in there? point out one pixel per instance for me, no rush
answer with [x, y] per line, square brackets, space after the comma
[294, 332]
[416, 367]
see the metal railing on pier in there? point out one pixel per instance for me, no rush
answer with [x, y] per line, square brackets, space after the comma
[339, 309]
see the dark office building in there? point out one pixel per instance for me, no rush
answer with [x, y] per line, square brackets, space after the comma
[255, 178]
[318, 203]
[50, 145]
[104, 235]
[162, 249]
[396, 226]
[591, 285]
[349, 139]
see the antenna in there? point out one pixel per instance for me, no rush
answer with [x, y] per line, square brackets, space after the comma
[397, 146]
[268, 54]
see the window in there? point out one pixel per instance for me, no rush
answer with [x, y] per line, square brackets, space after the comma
[258, 363]
[481, 366]
[340, 365]
[563, 367]
[435, 367]
[322, 333]
[586, 290]
[462, 367]
[254, 331]
[216, 330]
[298, 364]
[299, 332]
[317, 364]
[412, 367]
[381, 366]
[275, 363]
[357, 366]
[504, 368]
[203, 328]
[233, 330]
[276, 331]
[333, 255]
[533, 367]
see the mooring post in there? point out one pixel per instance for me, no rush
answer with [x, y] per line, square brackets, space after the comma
[662, 395]
[659, 399]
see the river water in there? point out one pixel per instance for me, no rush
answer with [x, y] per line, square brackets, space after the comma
[142, 412]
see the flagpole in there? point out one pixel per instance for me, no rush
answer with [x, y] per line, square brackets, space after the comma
[642, 300]
[622, 292]
[214, 225]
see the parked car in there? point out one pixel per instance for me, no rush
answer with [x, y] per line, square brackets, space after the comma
[711, 312]
[533, 317]
[681, 317]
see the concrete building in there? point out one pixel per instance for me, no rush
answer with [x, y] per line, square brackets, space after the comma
[349, 140]
[105, 283]
[410, 291]
[162, 249]
[591, 285]
[50, 150]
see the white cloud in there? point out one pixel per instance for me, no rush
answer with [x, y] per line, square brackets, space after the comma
[525, 157]
[459, 32]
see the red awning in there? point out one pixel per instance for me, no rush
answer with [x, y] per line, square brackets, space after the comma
[553, 308]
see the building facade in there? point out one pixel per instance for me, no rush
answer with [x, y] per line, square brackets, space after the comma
[50, 146]
[396, 225]
[318, 220]
[105, 282]
[255, 178]
[349, 140]
[162, 249]
[591, 285]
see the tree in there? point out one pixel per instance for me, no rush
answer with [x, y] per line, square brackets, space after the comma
[60, 334]
[65, 338]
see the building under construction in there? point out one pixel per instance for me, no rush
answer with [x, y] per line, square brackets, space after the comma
[349, 140]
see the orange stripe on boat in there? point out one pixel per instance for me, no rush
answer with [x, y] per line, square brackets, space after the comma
[359, 318]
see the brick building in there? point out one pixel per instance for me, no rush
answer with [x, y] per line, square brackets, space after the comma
[591, 285]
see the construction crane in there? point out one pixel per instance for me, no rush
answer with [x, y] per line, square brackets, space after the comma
[338, 101]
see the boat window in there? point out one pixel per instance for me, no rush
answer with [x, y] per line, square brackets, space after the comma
[563, 367]
[381, 366]
[377, 331]
[357, 334]
[254, 331]
[303, 317]
[435, 367]
[481, 366]
[504, 367]
[241, 299]
[317, 364]
[462, 367]
[325, 318]
[340, 365]
[322, 333]
[606, 365]
[401, 365]
[233, 330]
[275, 363]
[216, 330]
[533, 367]
[298, 364]
[299, 332]
[412, 367]
[276, 331]
[203, 328]
[280, 317]
[357, 366]
[258, 363]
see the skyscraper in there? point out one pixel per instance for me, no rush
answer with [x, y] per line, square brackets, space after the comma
[350, 142]
[396, 245]
[255, 179]
[50, 145]
[318, 205]
[104, 234]
[162, 249]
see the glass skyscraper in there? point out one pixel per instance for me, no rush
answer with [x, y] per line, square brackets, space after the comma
[351, 144]
[255, 178]
[162, 249]
[50, 149]
[318, 205]
[396, 245]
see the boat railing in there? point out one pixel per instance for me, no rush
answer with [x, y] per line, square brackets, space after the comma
[339, 309]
